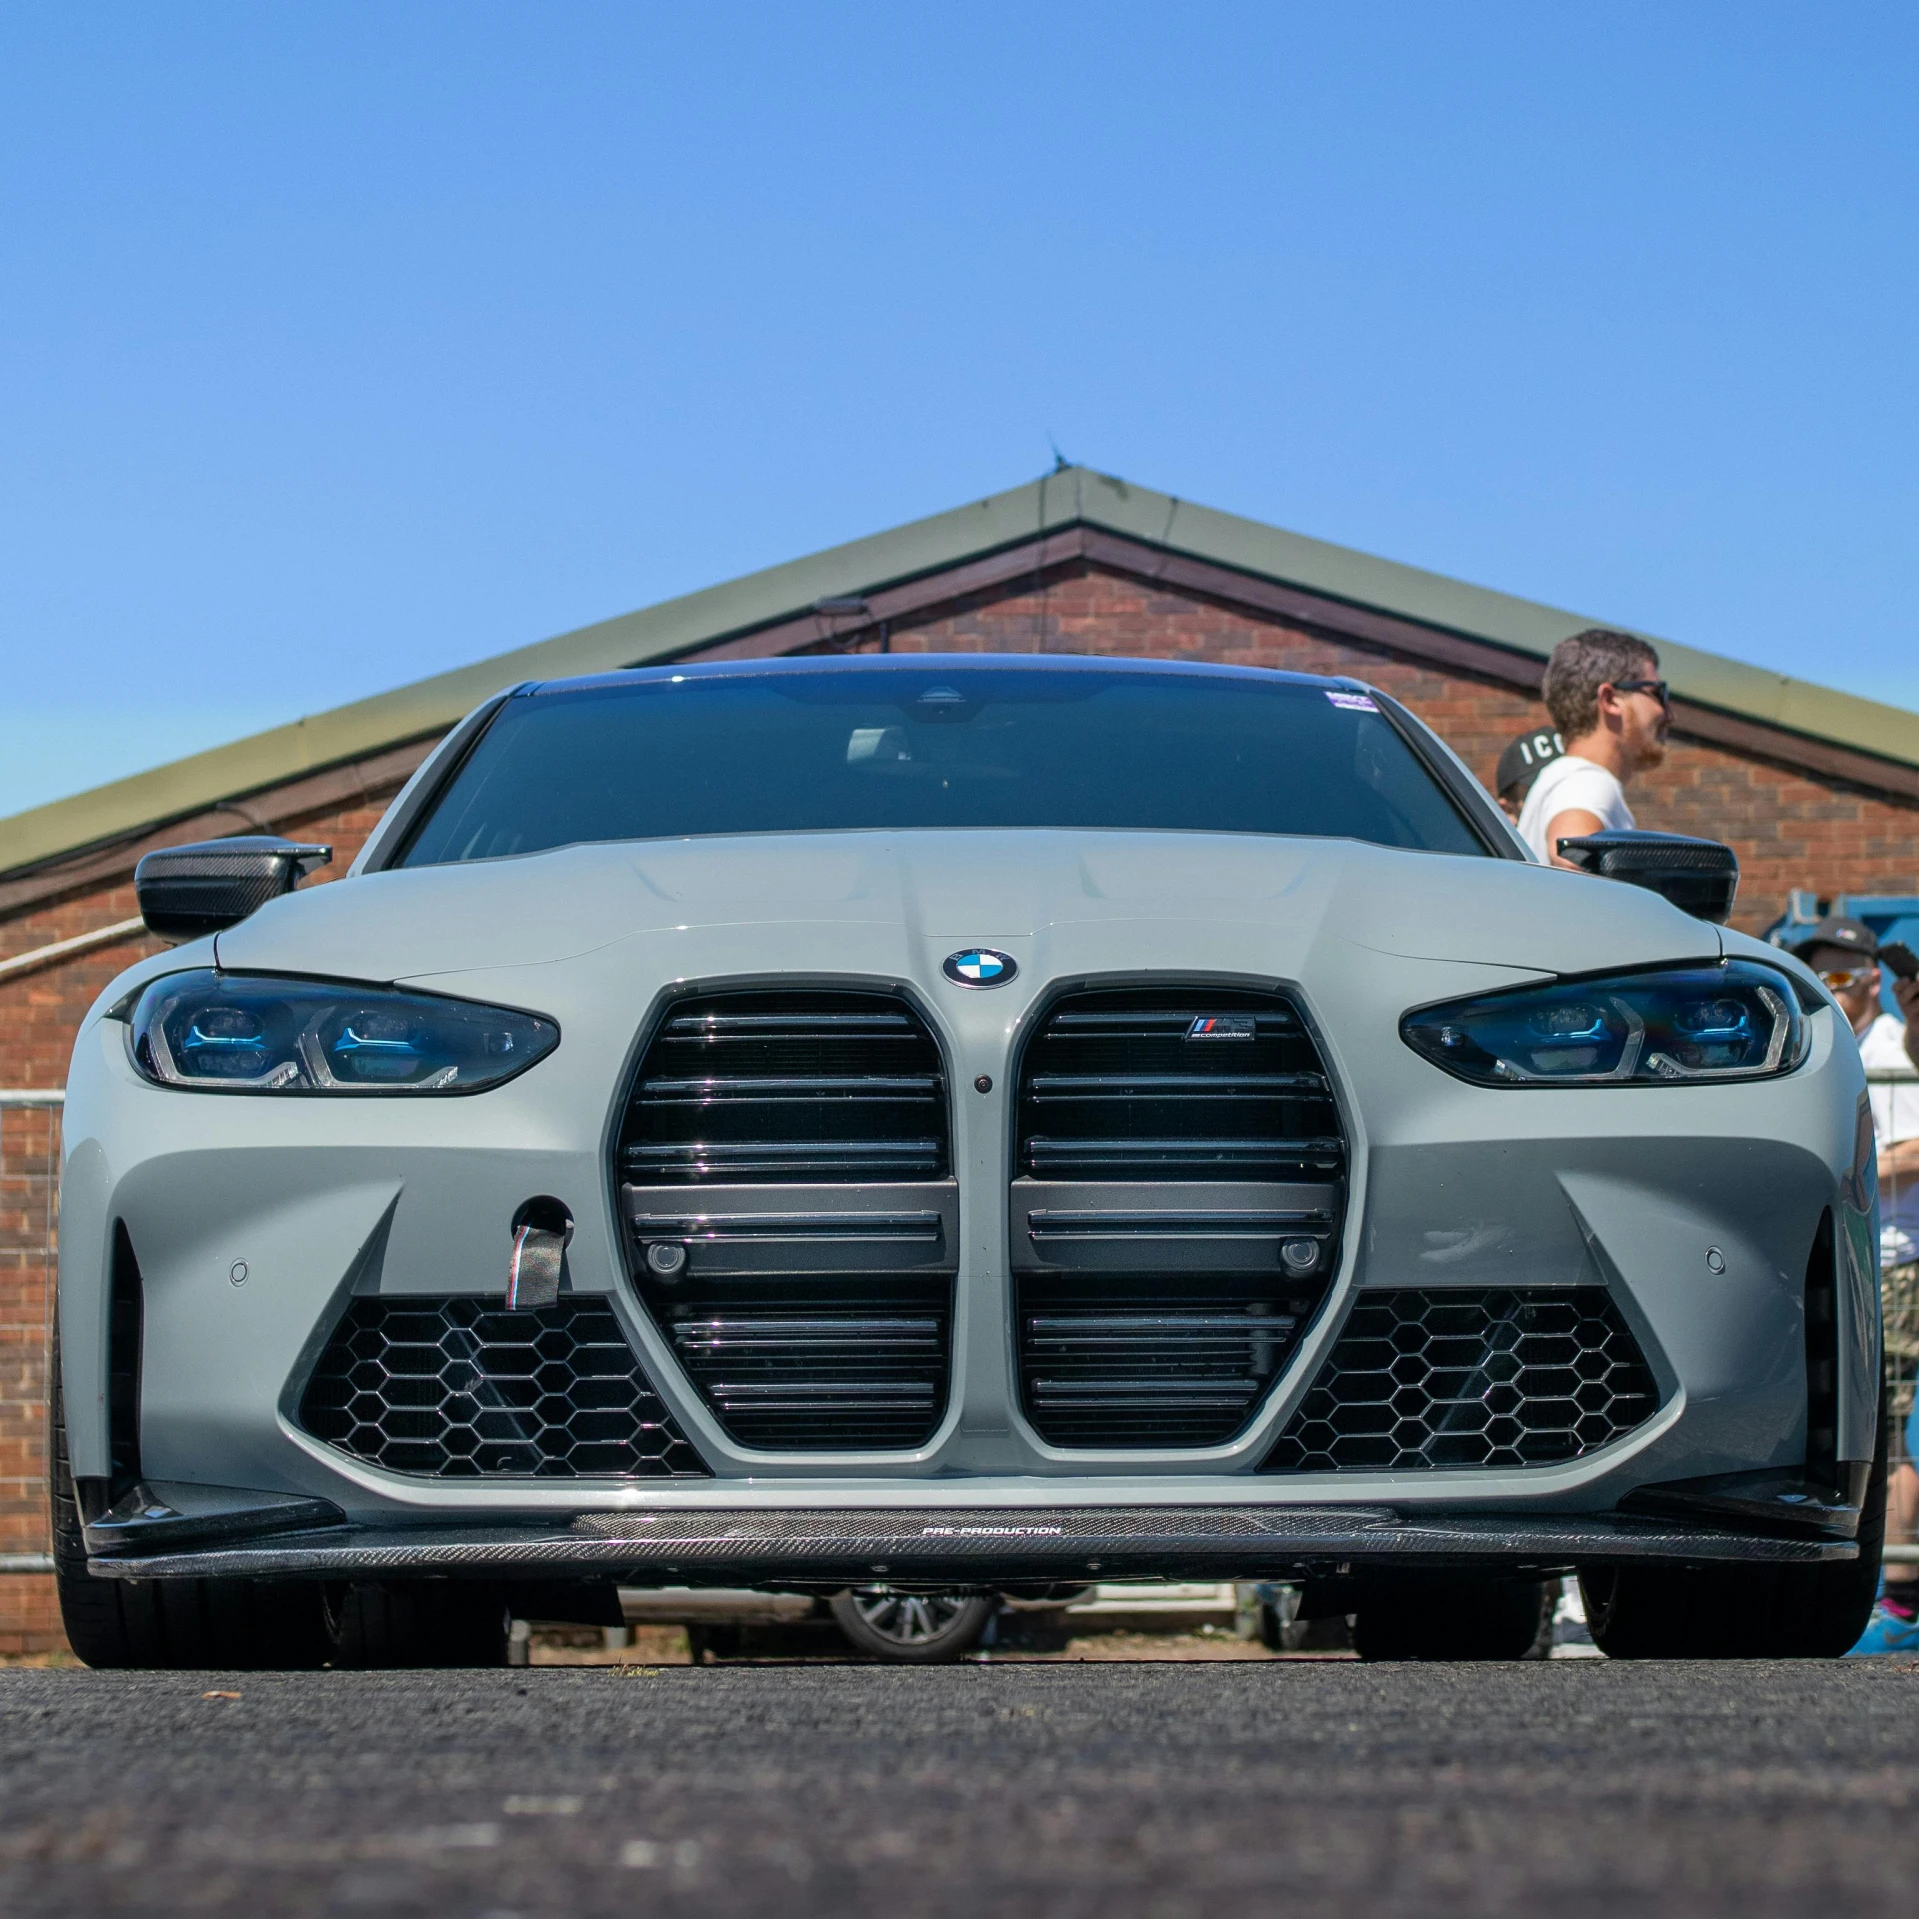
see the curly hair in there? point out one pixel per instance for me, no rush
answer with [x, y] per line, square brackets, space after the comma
[1580, 666]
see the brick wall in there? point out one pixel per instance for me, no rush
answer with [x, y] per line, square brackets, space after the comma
[1789, 830]
[29, 1163]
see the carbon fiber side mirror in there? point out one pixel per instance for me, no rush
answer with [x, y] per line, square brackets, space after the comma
[1700, 877]
[186, 892]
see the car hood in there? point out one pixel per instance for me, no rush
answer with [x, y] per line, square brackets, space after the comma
[989, 888]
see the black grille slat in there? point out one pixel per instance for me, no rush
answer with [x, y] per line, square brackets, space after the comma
[715, 1228]
[694, 1161]
[1050, 1088]
[794, 1089]
[794, 1380]
[1148, 1327]
[815, 1091]
[1155, 1374]
[1044, 1223]
[1254, 1156]
[791, 1086]
[1423, 1380]
[1174, 1138]
[751, 1026]
[1251, 1158]
[1261, 1105]
[1148, 1022]
[460, 1388]
[766, 1332]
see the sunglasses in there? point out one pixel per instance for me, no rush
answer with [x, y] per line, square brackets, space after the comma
[1846, 978]
[1657, 688]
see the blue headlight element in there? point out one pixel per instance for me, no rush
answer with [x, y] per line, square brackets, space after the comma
[1686, 1026]
[250, 1033]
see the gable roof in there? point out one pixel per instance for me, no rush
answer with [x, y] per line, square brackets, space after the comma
[1401, 598]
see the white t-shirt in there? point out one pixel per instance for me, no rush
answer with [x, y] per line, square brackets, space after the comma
[1895, 1116]
[1571, 784]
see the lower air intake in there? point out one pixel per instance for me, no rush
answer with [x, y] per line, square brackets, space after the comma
[822, 1373]
[1149, 1365]
[459, 1388]
[1432, 1380]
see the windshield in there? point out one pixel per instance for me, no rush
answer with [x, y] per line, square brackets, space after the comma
[936, 745]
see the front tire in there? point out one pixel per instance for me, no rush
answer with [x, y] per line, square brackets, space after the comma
[914, 1629]
[226, 1625]
[1450, 1619]
[1743, 1612]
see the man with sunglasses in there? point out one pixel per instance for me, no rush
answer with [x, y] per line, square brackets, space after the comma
[1845, 955]
[1611, 708]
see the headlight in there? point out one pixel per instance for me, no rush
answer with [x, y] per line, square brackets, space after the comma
[1687, 1026]
[241, 1033]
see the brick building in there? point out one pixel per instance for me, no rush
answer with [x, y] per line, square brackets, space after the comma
[1813, 788]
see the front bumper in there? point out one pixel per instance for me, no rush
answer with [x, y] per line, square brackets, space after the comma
[992, 1548]
[257, 1222]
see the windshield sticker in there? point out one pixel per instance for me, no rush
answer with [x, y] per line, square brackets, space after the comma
[1352, 702]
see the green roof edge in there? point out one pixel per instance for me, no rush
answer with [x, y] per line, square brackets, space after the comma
[1069, 496]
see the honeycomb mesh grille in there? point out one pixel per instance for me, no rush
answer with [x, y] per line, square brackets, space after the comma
[459, 1388]
[1425, 1381]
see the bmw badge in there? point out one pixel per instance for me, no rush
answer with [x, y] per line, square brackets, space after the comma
[979, 966]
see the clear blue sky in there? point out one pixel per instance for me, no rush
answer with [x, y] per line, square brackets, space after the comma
[341, 344]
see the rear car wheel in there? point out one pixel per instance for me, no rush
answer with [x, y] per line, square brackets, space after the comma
[1451, 1618]
[249, 1625]
[917, 1629]
[423, 1622]
[1743, 1612]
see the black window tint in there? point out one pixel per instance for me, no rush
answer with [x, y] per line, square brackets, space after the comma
[932, 746]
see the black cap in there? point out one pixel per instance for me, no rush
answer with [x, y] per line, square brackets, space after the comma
[1852, 935]
[1523, 758]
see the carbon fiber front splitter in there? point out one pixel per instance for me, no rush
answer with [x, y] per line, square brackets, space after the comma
[990, 1549]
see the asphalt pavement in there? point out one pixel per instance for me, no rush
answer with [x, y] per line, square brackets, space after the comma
[1281, 1787]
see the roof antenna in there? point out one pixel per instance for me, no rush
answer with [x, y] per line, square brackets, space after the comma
[1060, 461]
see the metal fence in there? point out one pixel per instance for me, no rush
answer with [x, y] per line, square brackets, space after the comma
[29, 1251]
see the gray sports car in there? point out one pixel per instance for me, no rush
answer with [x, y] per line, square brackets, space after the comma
[921, 1128]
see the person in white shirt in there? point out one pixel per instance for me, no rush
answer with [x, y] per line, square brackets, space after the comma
[1611, 708]
[1845, 955]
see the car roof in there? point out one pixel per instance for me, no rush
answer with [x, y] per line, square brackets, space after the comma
[942, 663]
